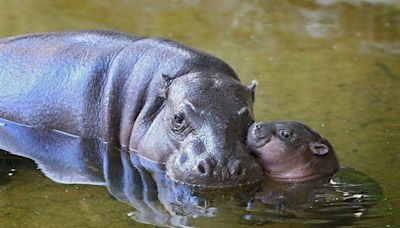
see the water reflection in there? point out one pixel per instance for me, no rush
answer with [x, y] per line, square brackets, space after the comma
[9, 164]
[340, 200]
[128, 178]
[6, 169]
[159, 201]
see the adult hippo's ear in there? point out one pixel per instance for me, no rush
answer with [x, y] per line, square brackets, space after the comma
[167, 80]
[252, 88]
[318, 148]
[157, 102]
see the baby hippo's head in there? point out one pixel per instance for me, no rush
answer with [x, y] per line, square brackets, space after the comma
[291, 151]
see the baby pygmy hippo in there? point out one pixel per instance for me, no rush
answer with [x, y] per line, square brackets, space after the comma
[291, 151]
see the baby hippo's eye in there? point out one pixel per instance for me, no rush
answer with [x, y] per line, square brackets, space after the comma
[285, 134]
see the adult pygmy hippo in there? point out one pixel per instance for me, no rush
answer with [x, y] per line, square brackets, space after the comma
[167, 102]
[291, 151]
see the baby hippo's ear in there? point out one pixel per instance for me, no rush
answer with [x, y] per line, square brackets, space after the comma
[318, 148]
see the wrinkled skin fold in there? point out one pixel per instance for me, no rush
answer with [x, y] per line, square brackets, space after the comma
[167, 102]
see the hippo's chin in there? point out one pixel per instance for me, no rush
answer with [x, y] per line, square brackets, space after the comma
[211, 185]
[190, 176]
[300, 177]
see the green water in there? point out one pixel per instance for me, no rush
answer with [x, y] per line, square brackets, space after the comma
[334, 65]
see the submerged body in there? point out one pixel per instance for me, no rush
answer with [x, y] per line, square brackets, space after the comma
[152, 96]
[291, 151]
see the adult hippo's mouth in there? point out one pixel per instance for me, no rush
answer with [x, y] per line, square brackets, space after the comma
[209, 174]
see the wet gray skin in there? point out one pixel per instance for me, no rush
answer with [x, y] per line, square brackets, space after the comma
[205, 128]
[291, 151]
[167, 102]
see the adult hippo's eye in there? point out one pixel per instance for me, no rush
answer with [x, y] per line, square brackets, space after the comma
[285, 134]
[178, 121]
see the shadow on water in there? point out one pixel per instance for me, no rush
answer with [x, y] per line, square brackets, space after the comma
[6, 169]
[9, 164]
[345, 199]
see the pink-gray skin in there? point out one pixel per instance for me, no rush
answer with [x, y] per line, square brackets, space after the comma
[291, 151]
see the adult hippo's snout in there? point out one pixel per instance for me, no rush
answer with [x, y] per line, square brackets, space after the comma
[194, 165]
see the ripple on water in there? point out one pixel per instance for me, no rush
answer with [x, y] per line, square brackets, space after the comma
[348, 198]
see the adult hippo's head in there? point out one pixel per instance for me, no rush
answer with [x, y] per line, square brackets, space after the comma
[199, 131]
[291, 151]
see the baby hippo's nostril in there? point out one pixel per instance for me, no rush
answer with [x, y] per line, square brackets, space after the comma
[259, 135]
[259, 131]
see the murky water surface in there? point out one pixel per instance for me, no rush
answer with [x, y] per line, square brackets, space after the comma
[334, 65]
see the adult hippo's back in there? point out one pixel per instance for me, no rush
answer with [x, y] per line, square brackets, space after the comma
[167, 102]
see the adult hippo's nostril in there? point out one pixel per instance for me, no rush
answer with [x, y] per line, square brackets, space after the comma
[236, 170]
[201, 167]
[205, 167]
[241, 171]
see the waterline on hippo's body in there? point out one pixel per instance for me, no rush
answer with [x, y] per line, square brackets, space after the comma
[171, 103]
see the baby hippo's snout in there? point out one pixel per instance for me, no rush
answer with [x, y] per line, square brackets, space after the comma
[259, 134]
[220, 169]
